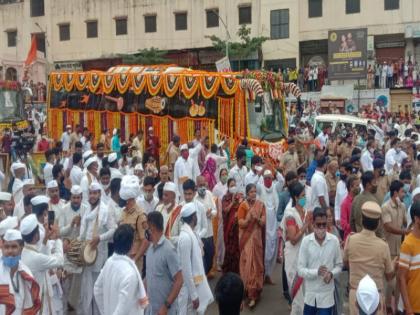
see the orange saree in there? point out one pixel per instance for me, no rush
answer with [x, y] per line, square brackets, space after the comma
[251, 246]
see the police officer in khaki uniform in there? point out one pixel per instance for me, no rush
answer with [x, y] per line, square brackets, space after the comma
[345, 148]
[366, 254]
[290, 160]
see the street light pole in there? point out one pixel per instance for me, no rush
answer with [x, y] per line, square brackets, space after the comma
[227, 32]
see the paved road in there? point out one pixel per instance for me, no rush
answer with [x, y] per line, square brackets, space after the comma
[271, 303]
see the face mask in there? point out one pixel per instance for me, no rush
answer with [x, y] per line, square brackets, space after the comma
[201, 191]
[233, 190]
[147, 235]
[185, 154]
[302, 202]
[302, 182]
[343, 177]
[337, 174]
[406, 188]
[224, 179]
[122, 203]
[398, 150]
[74, 207]
[268, 182]
[11, 261]
[320, 233]
[371, 150]
[355, 170]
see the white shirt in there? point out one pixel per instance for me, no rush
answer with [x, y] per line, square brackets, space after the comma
[319, 189]
[392, 157]
[252, 178]
[201, 227]
[147, 206]
[239, 174]
[323, 139]
[48, 176]
[65, 140]
[220, 190]
[367, 161]
[311, 257]
[208, 203]
[87, 179]
[117, 292]
[64, 218]
[76, 175]
[187, 168]
[340, 194]
[115, 173]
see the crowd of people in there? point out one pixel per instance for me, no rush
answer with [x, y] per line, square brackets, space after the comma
[392, 73]
[129, 231]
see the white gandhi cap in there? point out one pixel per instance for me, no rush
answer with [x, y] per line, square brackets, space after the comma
[367, 295]
[12, 235]
[8, 223]
[188, 209]
[28, 224]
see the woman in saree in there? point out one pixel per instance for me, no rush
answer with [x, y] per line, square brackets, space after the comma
[251, 220]
[209, 171]
[295, 224]
[230, 204]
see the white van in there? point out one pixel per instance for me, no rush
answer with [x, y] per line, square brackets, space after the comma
[333, 120]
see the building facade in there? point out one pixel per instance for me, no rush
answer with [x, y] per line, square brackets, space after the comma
[94, 33]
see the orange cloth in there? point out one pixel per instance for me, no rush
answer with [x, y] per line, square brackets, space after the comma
[251, 245]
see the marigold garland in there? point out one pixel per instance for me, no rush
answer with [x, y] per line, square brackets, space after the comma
[94, 81]
[58, 81]
[171, 84]
[154, 83]
[139, 82]
[189, 85]
[209, 86]
[229, 85]
[108, 83]
[81, 81]
[69, 80]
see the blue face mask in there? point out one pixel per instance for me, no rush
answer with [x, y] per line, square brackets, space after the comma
[406, 188]
[337, 174]
[11, 261]
[302, 202]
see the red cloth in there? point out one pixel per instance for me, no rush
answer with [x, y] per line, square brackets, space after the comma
[153, 146]
[32, 52]
[43, 145]
[345, 215]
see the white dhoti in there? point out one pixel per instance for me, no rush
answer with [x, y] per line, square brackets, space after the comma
[87, 305]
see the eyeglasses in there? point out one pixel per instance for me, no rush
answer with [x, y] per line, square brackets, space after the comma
[321, 225]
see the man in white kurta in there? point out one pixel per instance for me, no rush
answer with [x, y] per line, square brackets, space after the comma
[186, 166]
[114, 166]
[68, 221]
[119, 289]
[18, 170]
[76, 172]
[41, 260]
[90, 177]
[56, 204]
[97, 227]
[170, 212]
[268, 192]
[16, 279]
[195, 294]
[27, 189]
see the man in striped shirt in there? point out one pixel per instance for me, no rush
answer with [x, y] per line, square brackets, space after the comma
[409, 265]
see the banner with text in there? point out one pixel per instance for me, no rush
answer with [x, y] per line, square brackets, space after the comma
[347, 54]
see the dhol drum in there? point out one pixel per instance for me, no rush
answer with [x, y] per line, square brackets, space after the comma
[81, 253]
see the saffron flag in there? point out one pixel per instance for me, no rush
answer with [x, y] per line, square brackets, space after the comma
[32, 52]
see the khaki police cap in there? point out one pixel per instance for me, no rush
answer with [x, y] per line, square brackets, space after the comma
[371, 210]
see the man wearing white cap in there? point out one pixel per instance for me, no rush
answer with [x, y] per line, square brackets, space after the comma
[91, 176]
[170, 212]
[6, 203]
[7, 224]
[65, 139]
[367, 296]
[56, 204]
[18, 170]
[97, 227]
[134, 215]
[195, 294]
[186, 167]
[268, 193]
[16, 277]
[113, 165]
[27, 190]
[41, 260]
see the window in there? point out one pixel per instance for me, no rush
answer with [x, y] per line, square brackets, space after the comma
[91, 29]
[245, 14]
[37, 8]
[180, 21]
[40, 42]
[315, 8]
[150, 23]
[212, 17]
[392, 4]
[352, 6]
[121, 26]
[11, 38]
[279, 21]
[64, 32]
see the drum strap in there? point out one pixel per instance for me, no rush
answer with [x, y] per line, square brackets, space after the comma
[95, 227]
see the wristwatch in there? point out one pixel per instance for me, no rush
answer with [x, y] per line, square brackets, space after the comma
[168, 305]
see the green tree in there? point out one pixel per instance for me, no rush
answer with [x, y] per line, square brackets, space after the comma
[148, 56]
[242, 49]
